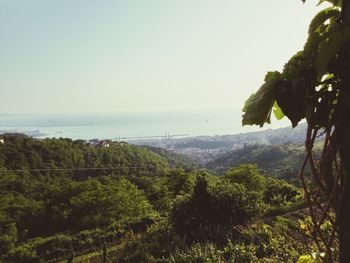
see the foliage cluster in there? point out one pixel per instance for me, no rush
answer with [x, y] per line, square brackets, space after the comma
[52, 213]
[311, 84]
[235, 200]
[278, 241]
[45, 211]
[222, 204]
[21, 152]
[280, 161]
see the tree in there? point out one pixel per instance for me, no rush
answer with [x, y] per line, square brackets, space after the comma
[8, 235]
[279, 192]
[248, 175]
[315, 84]
[213, 206]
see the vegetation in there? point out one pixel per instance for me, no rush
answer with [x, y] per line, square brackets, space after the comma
[21, 152]
[280, 161]
[50, 197]
[156, 214]
[175, 160]
[314, 84]
[283, 239]
[221, 205]
[247, 175]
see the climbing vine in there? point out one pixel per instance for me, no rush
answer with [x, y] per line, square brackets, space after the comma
[314, 85]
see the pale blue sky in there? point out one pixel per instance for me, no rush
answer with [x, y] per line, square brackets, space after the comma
[84, 55]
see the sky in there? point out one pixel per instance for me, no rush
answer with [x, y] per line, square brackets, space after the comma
[88, 55]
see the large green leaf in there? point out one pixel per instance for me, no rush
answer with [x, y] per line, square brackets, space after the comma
[329, 47]
[257, 109]
[296, 65]
[322, 17]
[292, 92]
[312, 43]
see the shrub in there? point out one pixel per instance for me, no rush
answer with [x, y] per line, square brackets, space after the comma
[248, 175]
[279, 192]
[223, 204]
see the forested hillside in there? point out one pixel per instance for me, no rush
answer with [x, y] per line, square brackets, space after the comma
[174, 159]
[21, 152]
[281, 161]
[64, 199]
[59, 190]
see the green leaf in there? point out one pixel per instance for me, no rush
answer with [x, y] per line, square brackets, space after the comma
[312, 42]
[257, 109]
[327, 77]
[322, 17]
[277, 111]
[296, 65]
[291, 94]
[333, 2]
[329, 47]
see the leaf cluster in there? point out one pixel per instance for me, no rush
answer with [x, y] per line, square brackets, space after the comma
[310, 84]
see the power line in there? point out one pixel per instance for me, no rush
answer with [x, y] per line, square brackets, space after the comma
[125, 167]
[73, 169]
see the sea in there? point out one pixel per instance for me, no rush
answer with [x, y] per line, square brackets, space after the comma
[127, 125]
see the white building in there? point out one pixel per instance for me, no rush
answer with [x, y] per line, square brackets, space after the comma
[2, 141]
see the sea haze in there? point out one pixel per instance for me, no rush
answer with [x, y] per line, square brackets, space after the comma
[123, 125]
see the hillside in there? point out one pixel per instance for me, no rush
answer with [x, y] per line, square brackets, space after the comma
[79, 158]
[71, 200]
[55, 191]
[175, 159]
[281, 161]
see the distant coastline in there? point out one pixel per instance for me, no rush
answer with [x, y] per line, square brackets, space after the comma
[123, 125]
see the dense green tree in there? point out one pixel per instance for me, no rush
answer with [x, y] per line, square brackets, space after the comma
[99, 205]
[181, 182]
[157, 191]
[248, 175]
[8, 234]
[279, 192]
[222, 204]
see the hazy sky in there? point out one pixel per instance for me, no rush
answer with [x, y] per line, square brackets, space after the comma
[89, 55]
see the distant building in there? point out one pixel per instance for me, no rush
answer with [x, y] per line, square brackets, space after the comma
[97, 143]
[103, 144]
[2, 141]
[122, 143]
[94, 142]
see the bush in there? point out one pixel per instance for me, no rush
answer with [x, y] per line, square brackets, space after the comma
[279, 192]
[248, 175]
[8, 235]
[223, 204]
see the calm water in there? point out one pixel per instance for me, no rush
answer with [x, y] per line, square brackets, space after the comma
[115, 125]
